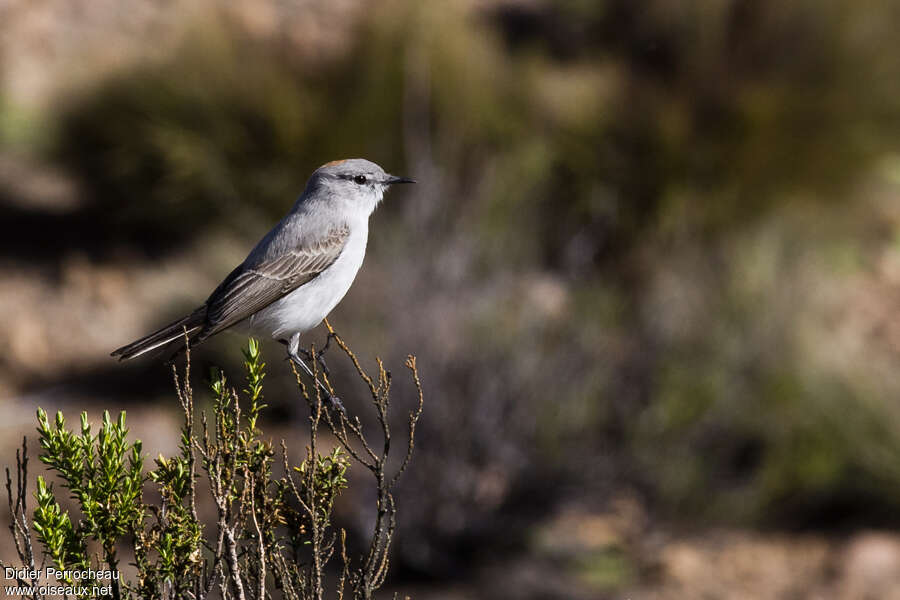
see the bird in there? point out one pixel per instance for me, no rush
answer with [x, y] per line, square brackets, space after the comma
[297, 273]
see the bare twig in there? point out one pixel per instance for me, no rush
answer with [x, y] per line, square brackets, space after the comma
[413, 418]
[19, 526]
[377, 559]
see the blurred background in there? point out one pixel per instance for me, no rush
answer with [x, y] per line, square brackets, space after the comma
[649, 271]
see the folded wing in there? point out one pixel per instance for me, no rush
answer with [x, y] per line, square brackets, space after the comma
[249, 289]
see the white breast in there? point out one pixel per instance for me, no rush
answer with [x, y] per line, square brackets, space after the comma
[305, 307]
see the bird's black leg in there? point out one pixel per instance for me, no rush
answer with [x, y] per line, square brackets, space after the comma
[320, 355]
[304, 353]
[293, 354]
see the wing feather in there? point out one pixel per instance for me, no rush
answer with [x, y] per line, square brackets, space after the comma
[248, 290]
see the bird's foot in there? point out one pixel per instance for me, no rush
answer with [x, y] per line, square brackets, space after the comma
[317, 357]
[334, 403]
[294, 356]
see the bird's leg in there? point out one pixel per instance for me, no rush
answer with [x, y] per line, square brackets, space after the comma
[320, 355]
[293, 353]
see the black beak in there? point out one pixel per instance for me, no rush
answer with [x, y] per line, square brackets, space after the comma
[392, 179]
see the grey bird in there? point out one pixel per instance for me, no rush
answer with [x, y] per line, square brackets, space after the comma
[297, 273]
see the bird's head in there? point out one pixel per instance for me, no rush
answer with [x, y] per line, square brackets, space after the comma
[353, 183]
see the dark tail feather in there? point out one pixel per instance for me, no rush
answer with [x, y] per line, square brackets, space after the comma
[172, 334]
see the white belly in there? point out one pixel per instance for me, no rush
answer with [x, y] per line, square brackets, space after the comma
[305, 307]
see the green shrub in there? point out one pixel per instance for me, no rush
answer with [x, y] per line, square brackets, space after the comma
[272, 528]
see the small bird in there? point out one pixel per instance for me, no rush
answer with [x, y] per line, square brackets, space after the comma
[297, 273]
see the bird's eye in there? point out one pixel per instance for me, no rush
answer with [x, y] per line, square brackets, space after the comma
[360, 179]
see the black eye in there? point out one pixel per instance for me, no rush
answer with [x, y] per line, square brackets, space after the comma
[360, 179]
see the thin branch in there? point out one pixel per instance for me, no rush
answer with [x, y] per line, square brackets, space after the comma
[413, 418]
[261, 548]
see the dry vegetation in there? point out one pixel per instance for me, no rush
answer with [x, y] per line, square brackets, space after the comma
[271, 534]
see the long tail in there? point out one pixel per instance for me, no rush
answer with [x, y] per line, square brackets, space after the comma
[173, 334]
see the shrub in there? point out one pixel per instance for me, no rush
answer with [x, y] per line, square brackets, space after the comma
[271, 531]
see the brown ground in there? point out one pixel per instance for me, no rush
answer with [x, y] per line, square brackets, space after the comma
[620, 555]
